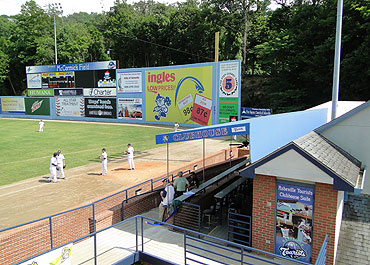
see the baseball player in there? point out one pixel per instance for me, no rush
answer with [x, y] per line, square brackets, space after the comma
[61, 165]
[53, 168]
[41, 124]
[176, 126]
[104, 162]
[130, 157]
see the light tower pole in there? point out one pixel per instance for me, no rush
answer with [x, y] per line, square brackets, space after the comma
[56, 8]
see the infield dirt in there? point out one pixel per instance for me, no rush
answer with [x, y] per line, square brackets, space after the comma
[36, 198]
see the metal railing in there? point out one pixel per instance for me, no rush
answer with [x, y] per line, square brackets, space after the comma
[188, 217]
[321, 258]
[239, 228]
[117, 242]
[58, 229]
[55, 230]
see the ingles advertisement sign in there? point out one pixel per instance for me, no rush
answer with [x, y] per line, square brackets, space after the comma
[179, 95]
[37, 106]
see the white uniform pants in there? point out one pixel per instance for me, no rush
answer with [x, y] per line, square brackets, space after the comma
[104, 167]
[41, 129]
[60, 172]
[131, 163]
[53, 174]
[163, 210]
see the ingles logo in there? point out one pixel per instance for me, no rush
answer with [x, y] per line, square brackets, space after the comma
[161, 78]
[36, 105]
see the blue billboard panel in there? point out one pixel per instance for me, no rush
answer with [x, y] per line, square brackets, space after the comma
[71, 67]
[254, 112]
[202, 133]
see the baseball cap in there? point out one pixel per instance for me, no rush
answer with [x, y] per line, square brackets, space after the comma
[59, 151]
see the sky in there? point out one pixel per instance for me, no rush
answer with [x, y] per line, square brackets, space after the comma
[13, 7]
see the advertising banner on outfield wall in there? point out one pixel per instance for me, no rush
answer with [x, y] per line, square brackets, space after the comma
[100, 108]
[37, 106]
[181, 95]
[100, 92]
[294, 211]
[130, 108]
[62, 255]
[68, 92]
[13, 106]
[129, 82]
[40, 93]
[70, 106]
[229, 91]
[34, 81]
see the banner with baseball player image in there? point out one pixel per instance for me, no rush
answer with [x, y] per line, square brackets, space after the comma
[294, 211]
[229, 84]
[70, 106]
[130, 108]
[62, 255]
[37, 106]
[181, 95]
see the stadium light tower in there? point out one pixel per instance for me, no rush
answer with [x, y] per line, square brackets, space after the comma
[56, 9]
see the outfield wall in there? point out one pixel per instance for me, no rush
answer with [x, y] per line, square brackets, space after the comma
[192, 95]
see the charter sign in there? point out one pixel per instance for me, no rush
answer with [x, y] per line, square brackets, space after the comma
[100, 92]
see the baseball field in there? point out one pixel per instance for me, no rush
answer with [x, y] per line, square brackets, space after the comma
[25, 152]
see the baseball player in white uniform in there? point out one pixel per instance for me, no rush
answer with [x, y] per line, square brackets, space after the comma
[41, 124]
[61, 165]
[130, 157]
[104, 162]
[53, 168]
[176, 126]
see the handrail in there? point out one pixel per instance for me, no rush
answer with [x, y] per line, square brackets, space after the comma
[185, 231]
[321, 258]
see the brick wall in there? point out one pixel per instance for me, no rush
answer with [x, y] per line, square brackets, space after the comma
[263, 213]
[263, 216]
[325, 211]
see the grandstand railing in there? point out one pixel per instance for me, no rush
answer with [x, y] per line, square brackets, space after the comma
[119, 241]
[56, 230]
[51, 230]
[321, 258]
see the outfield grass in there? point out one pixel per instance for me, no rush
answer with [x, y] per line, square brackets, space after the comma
[25, 153]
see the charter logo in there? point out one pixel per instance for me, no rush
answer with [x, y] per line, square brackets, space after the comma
[293, 250]
[36, 105]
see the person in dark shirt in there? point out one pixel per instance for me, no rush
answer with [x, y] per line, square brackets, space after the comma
[193, 181]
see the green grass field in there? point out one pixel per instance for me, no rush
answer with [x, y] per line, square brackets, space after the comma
[25, 153]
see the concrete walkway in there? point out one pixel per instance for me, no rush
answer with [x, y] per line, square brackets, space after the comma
[119, 242]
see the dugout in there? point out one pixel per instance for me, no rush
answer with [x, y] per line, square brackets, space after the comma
[265, 135]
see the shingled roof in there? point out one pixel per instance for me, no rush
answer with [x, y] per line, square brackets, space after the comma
[354, 239]
[331, 156]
